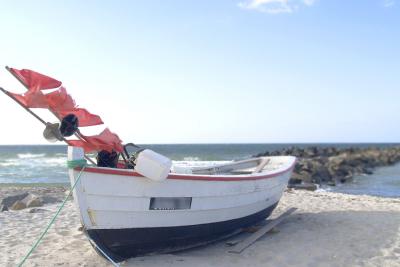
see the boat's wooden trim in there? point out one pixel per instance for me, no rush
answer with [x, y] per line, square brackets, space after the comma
[225, 178]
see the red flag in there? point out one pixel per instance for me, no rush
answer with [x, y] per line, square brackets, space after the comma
[32, 99]
[85, 118]
[34, 80]
[106, 140]
[62, 104]
[60, 100]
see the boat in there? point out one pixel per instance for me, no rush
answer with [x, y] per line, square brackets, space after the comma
[133, 201]
[128, 215]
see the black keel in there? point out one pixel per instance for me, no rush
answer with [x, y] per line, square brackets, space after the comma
[121, 244]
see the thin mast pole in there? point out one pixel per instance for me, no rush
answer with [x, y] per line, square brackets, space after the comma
[19, 103]
[34, 114]
[79, 135]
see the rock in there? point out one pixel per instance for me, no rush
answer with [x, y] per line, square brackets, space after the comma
[302, 175]
[331, 183]
[321, 174]
[50, 199]
[344, 171]
[18, 205]
[367, 171]
[10, 200]
[295, 180]
[22, 201]
[36, 210]
[345, 179]
[336, 160]
[311, 152]
[3, 208]
[335, 165]
[32, 201]
[304, 186]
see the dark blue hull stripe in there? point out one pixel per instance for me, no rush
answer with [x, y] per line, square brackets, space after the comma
[121, 244]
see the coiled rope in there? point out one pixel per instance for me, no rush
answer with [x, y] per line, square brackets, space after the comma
[71, 164]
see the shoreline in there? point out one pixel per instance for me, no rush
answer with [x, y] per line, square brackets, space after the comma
[317, 163]
[34, 185]
[316, 167]
[328, 229]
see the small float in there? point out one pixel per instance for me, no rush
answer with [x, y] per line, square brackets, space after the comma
[134, 201]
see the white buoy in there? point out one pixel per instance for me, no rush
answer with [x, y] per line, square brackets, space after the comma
[153, 165]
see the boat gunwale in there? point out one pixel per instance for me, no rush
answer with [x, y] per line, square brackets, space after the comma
[196, 177]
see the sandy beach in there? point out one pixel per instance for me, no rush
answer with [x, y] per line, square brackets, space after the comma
[145, 127]
[328, 229]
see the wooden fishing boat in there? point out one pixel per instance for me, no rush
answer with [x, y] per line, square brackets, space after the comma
[135, 203]
[127, 215]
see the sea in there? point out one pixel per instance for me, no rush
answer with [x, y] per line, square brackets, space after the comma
[46, 164]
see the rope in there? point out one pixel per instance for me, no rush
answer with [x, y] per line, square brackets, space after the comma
[71, 164]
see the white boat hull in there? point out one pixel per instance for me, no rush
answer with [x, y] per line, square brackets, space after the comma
[116, 206]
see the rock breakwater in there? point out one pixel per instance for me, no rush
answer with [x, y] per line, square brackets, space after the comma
[331, 165]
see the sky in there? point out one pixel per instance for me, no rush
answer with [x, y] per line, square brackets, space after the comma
[245, 71]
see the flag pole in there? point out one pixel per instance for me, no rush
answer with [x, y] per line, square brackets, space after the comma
[19, 103]
[36, 116]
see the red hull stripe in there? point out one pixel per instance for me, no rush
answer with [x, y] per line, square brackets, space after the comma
[189, 177]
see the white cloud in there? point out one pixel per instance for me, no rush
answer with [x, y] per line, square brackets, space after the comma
[309, 2]
[275, 6]
[388, 3]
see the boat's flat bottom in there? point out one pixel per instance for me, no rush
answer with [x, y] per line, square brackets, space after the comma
[121, 244]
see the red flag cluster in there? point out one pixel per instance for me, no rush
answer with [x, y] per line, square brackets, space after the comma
[106, 140]
[62, 104]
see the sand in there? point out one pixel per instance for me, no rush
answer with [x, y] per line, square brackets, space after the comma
[328, 229]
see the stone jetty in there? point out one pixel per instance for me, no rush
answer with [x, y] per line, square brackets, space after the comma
[331, 165]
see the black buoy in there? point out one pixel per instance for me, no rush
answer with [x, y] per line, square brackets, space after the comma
[69, 125]
[107, 159]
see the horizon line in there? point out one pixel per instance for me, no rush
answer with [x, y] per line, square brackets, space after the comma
[238, 143]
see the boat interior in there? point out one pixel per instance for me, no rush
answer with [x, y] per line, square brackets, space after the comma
[241, 167]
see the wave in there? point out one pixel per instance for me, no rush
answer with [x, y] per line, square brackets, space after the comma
[191, 158]
[34, 160]
[55, 161]
[9, 164]
[30, 156]
[324, 189]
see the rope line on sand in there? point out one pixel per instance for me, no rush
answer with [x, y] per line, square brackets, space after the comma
[71, 164]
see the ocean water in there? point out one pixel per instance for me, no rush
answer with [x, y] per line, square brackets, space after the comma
[32, 164]
[385, 181]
